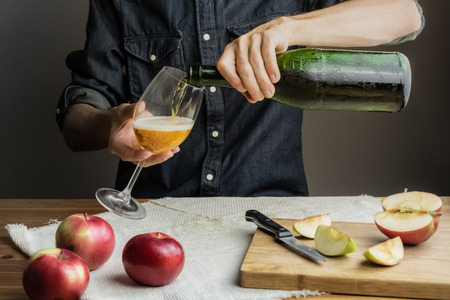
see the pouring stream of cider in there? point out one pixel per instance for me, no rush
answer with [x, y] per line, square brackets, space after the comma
[177, 99]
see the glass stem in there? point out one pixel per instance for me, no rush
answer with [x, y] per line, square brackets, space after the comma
[126, 193]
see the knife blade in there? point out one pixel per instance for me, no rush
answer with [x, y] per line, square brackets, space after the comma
[282, 234]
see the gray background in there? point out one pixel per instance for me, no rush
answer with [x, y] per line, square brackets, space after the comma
[345, 153]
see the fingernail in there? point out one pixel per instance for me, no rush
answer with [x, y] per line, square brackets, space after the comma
[249, 97]
[268, 93]
[273, 78]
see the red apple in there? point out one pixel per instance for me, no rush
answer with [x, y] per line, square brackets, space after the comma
[55, 274]
[153, 259]
[90, 237]
[413, 216]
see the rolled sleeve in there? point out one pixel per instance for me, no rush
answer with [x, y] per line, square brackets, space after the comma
[78, 94]
[98, 77]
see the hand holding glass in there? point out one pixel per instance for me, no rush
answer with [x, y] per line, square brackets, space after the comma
[163, 118]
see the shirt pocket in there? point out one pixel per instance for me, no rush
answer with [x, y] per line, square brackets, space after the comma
[146, 56]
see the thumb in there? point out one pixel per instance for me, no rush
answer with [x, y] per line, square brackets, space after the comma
[123, 112]
[127, 110]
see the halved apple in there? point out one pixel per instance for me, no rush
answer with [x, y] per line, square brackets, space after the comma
[414, 216]
[418, 201]
[307, 227]
[331, 242]
[388, 253]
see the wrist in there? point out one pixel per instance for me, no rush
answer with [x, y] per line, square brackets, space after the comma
[86, 127]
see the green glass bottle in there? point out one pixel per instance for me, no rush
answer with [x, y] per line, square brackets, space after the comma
[322, 79]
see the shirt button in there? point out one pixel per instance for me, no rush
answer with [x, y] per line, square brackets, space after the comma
[215, 133]
[153, 57]
[206, 37]
[209, 177]
[58, 111]
[212, 89]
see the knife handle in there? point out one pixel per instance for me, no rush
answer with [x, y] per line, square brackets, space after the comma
[266, 224]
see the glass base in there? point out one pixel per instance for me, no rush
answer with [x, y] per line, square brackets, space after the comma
[113, 201]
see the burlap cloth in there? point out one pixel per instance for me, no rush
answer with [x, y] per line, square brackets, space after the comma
[214, 235]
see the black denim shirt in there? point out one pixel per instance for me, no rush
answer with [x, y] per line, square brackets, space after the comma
[235, 148]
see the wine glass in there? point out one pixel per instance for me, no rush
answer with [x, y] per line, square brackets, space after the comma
[163, 118]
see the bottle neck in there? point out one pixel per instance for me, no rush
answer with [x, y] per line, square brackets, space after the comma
[206, 75]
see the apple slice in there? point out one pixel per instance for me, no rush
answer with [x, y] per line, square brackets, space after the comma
[307, 227]
[413, 216]
[331, 242]
[388, 253]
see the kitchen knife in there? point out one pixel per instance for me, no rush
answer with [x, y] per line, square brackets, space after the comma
[282, 234]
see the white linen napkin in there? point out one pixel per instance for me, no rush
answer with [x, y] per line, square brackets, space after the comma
[215, 238]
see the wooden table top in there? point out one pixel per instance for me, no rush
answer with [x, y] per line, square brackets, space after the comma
[37, 213]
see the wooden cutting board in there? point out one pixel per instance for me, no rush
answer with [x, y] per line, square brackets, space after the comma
[423, 273]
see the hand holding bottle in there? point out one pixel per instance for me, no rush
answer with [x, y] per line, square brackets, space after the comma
[249, 63]
[327, 79]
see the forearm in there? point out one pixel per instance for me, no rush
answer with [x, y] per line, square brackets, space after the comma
[355, 23]
[86, 128]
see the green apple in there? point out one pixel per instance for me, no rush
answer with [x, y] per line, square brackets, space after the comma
[388, 253]
[307, 227]
[331, 242]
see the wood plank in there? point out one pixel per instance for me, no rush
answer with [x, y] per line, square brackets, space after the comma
[13, 293]
[423, 273]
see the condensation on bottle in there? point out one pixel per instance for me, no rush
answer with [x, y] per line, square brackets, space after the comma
[328, 79]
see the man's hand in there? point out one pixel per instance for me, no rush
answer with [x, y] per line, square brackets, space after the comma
[249, 63]
[123, 143]
[87, 128]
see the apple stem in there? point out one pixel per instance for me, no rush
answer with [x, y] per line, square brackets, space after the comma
[60, 254]
[85, 215]
[434, 213]
[158, 234]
